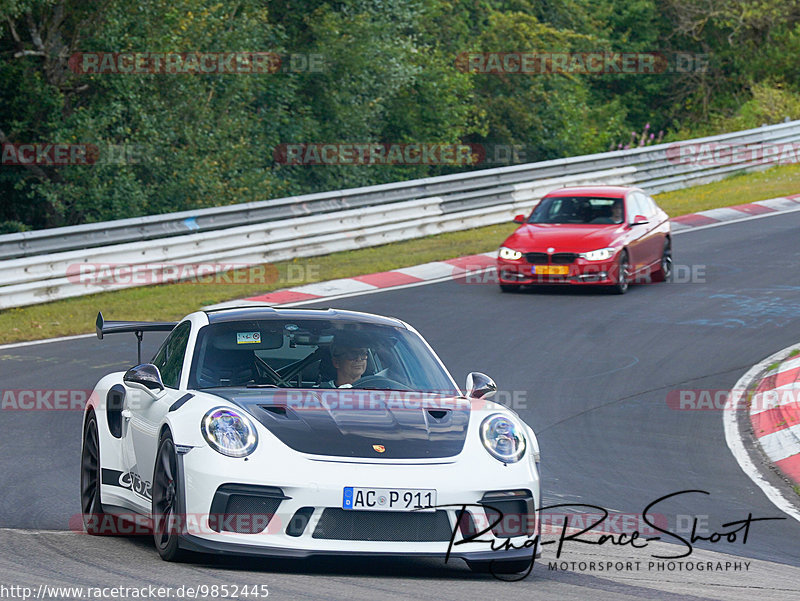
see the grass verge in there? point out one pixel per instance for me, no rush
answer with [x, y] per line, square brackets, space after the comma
[173, 301]
[734, 190]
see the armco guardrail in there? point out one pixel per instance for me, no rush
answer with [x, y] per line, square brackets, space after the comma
[476, 188]
[34, 266]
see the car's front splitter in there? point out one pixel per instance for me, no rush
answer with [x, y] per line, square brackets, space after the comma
[203, 545]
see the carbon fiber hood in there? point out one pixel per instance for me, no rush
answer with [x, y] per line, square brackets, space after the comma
[359, 423]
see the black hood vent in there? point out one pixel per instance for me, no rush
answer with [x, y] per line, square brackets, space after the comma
[359, 423]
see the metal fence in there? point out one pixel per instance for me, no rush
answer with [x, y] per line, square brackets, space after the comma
[35, 267]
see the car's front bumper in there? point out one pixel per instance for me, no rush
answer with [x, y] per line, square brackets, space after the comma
[318, 485]
[579, 272]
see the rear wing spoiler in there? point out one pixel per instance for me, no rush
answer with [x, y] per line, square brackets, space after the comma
[103, 327]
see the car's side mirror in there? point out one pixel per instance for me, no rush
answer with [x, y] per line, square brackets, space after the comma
[639, 220]
[519, 219]
[145, 377]
[480, 386]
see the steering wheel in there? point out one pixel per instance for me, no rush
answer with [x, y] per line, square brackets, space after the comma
[380, 382]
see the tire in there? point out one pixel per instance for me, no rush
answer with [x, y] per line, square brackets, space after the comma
[664, 270]
[91, 503]
[167, 501]
[500, 566]
[509, 287]
[621, 287]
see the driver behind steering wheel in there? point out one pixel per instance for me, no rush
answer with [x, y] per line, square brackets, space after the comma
[349, 359]
[350, 364]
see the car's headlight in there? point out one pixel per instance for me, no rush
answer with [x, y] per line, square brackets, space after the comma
[602, 254]
[509, 254]
[229, 433]
[503, 438]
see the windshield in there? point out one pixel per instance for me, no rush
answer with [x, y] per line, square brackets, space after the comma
[315, 354]
[578, 209]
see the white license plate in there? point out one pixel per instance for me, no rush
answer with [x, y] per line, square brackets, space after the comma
[388, 499]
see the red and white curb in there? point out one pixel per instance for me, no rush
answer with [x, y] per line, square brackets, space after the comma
[439, 271]
[775, 415]
[417, 275]
[766, 410]
[736, 213]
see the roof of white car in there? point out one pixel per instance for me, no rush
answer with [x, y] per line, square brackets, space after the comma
[261, 312]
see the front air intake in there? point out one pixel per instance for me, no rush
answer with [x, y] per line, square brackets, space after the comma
[394, 526]
[244, 508]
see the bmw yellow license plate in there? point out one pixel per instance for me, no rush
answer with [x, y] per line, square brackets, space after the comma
[550, 270]
[389, 499]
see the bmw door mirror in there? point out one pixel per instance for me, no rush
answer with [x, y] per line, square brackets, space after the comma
[145, 377]
[480, 386]
[519, 219]
[639, 220]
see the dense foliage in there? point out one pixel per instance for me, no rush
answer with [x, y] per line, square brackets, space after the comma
[357, 71]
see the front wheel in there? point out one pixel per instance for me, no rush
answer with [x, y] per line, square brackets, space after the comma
[91, 505]
[623, 267]
[167, 520]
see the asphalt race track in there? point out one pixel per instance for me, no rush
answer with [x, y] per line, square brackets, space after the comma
[591, 372]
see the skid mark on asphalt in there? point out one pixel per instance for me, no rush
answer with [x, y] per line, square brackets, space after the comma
[740, 308]
[729, 322]
[590, 363]
[750, 311]
[668, 387]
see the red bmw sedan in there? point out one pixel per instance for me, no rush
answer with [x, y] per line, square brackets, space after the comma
[600, 235]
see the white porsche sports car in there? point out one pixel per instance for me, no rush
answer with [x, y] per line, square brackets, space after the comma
[295, 432]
